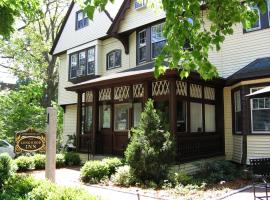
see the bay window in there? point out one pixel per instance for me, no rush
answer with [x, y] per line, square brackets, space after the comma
[82, 64]
[237, 112]
[157, 39]
[73, 65]
[91, 61]
[196, 123]
[114, 59]
[260, 114]
[121, 117]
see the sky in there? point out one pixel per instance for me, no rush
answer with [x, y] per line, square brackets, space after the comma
[5, 75]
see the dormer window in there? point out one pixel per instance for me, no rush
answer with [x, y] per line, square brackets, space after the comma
[140, 4]
[81, 20]
[114, 59]
[82, 63]
[257, 25]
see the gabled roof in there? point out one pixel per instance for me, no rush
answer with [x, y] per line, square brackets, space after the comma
[61, 28]
[119, 16]
[259, 68]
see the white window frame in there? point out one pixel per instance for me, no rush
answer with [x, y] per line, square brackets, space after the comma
[142, 4]
[251, 109]
[142, 45]
[260, 26]
[160, 24]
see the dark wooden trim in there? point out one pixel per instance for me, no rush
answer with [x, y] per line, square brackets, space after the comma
[95, 120]
[233, 109]
[173, 106]
[79, 114]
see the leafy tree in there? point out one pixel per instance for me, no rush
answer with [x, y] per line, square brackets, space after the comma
[151, 148]
[28, 48]
[20, 109]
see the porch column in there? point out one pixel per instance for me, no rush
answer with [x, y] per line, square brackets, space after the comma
[147, 91]
[172, 105]
[95, 119]
[79, 114]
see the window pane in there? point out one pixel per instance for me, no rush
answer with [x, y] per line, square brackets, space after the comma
[82, 64]
[142, 38]
[91, 54]
[157, 34]
[121, 117]
[261, 120]
[142, 53]
[257, 25]
[80, 16]
[73, 66]
[210, 118]
[237, 111]
[117, 58]
[157, 47]
[91, 61]
[105, 116]
[181, 116]
[88, 118]
[196, 117]
[137, 110]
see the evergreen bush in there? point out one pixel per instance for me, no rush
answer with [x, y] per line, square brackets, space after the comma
[112, 163]
[151, 149]
[7, 168]
[72, 159]
[24, 163]
[94, 171]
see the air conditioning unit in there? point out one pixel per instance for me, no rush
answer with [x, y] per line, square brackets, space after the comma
[79, 72]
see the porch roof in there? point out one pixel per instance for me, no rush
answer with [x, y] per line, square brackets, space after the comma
[145, 71]
[259, 68]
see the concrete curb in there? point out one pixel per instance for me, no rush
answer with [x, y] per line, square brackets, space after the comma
[234, 192]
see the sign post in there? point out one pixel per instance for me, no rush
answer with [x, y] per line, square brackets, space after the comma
[51, 144]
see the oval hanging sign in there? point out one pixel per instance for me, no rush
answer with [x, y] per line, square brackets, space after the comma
[30, 141]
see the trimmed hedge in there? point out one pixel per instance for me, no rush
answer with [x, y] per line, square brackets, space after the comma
[94, 171]
[7, 168]
[24, 163]
[113, 164]
[72, 159]
[123, 176]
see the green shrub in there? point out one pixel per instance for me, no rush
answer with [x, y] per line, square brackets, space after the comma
[176, 177]
[94, 171]
[24, 163]
[19, 185]
[60, 160]
[215, 171]
[50, 191]
[39, 161]
[123, 176]
[7, 168]
[72, 159]
[151, 149]
[112, 163]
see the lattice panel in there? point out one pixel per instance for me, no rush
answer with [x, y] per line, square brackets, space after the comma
[89, 96]
[105, 94]
[160, 88]
[195, 91]
[209, 93]
[138, 91]
[181, 88]
[121, 93]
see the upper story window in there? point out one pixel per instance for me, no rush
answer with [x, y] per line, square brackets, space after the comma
[81, 20]
[260, 113]
[142, 46]
[140, 4]
[150, 42]
[82, 63]
[257, 25]
[157, 39]
[114, 59]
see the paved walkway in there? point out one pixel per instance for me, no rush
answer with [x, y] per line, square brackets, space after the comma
[70, 177]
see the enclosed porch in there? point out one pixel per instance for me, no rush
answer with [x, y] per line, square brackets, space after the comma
[192, 109]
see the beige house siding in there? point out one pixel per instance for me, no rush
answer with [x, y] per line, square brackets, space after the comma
[70, 120]
[237, 148]
[228, 123]
[258, 146]
[65, 97]
[71, 37]
[136, 18]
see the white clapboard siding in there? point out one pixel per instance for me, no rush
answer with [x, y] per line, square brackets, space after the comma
[237, 148]
[258, 146]
[65, 97]
[69, 124]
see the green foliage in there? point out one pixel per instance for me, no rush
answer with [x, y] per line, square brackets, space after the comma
[39, 161]
[94, 171]
[7, 168]
[112, 163]
[72, 159]
[151, 149]
[18, 186]
[20, 109]
[25, 163]
[176, 177]
[60, 160]
[216, 171]
[123, 176]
